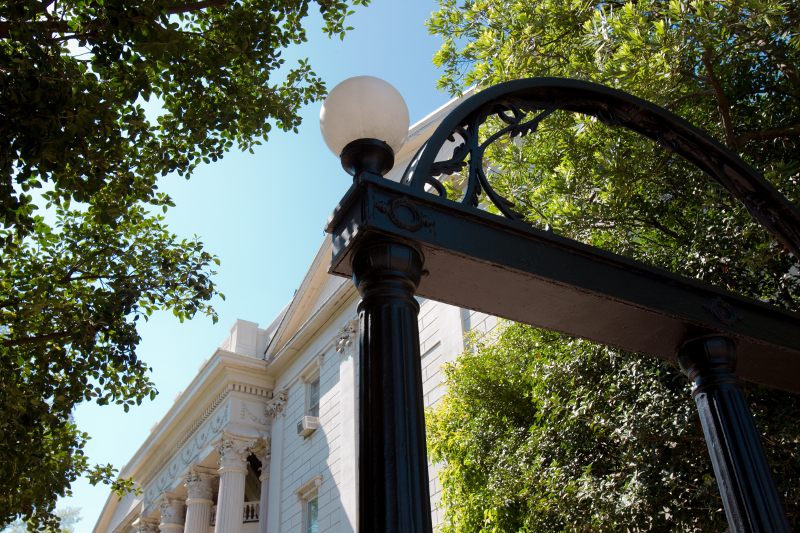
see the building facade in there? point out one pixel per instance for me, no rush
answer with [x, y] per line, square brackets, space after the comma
[264, 438]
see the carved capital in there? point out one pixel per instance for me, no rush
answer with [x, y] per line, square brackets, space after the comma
[173, 510]
[263, 450]
[145, 525]
[234, 451]
[199, 485]
[276, 405]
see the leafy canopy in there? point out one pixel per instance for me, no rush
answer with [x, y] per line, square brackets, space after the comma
[69, 516]
[72, 119]
[728, 67]
[544, 433]
[85, 256]
[540, 432]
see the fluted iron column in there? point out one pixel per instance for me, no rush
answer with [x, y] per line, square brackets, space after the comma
[233, 470]
[751, 500]
[198, 505]
[393, 465]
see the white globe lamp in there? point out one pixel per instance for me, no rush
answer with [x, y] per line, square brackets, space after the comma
[364, 121]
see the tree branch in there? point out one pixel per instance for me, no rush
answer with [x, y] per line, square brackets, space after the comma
[194, 6]
[53, 26]
[658, 226]
[764, 135]
[722, 100]
[697, 94]
[92, 331]
[35, 340]
[772, 51]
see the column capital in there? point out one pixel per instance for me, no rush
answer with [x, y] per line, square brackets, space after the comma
[234, 450]
[145, 525]
[709, 362]
[263, 450]
[199, 484]
[173, 510]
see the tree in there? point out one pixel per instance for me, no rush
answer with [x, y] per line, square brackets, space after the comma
[77, 275]
[540, 432]
[69, 516]
[729, 67]
[72, 119]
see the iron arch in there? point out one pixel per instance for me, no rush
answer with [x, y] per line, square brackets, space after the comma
[523, 104]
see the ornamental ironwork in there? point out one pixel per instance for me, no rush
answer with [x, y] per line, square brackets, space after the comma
[521, 105]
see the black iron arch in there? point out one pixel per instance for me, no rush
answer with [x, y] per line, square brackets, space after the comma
[523, 104]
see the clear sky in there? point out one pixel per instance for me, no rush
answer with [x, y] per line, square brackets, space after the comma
[263, 216]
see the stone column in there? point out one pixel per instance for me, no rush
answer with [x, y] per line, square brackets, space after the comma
[274, 412]
[263, 451]
[233, 469]
[198, 505]
[173, 511]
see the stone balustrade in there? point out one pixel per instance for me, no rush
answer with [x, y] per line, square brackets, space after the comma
[250, 512]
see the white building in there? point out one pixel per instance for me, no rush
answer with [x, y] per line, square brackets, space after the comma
[264, 438]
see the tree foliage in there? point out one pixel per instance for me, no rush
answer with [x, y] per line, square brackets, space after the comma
[540, 432]
[70, 300]
[72, 116]
[69, 516]
[86, 250]
[729, 67]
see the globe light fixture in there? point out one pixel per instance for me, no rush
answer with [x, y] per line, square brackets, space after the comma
[364, 121]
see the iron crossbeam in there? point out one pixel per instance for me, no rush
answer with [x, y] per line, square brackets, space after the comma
[477, 260]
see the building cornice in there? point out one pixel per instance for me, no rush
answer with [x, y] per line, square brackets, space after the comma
[344, 294]
[224, 373]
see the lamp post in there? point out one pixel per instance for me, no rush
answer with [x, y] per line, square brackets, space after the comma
[365, 121]
[400, 239]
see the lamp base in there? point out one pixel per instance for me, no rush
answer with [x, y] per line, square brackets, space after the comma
[367, 155]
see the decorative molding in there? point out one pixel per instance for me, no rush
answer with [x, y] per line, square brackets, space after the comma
[203, 438]
[261, 392]
[724, 311]
[191, 431]
[344, 339]
[276, 406]
[246, 413]
[399, 210]
[309, 489]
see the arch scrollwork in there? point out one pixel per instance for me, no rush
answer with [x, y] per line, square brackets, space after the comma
[521, 105]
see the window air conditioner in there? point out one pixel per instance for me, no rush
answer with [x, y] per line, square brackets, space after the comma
[307, 425]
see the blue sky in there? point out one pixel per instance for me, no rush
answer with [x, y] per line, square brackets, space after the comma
[262, 215]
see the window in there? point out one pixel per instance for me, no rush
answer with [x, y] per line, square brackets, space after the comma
[307, 495]
[312, 515]
[313, 398]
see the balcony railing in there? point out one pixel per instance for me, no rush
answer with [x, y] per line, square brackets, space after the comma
[249, 513]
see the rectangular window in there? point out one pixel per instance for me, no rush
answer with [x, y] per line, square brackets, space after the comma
[312, 515]
[313, 398]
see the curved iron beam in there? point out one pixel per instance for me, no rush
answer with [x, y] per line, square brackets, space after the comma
[514, 101]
